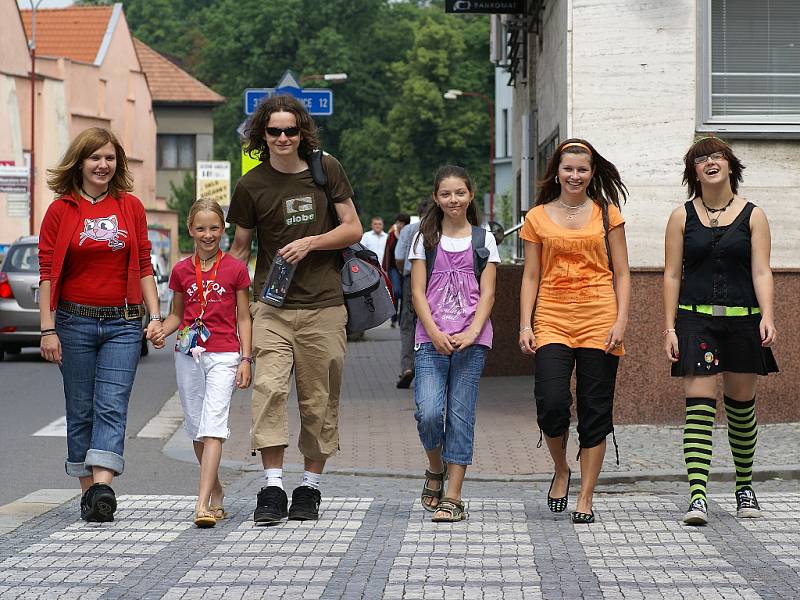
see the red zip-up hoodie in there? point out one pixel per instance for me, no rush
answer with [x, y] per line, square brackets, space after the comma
[60, 224]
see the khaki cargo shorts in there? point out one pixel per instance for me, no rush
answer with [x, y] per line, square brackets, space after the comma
[313, 342]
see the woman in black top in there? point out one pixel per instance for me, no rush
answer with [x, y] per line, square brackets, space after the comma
[718, 306]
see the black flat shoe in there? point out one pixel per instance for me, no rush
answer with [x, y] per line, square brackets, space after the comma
[558, 505]
[582, 518]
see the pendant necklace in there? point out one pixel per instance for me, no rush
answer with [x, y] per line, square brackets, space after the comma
[714, 222]
[572, 211]
[94, 199]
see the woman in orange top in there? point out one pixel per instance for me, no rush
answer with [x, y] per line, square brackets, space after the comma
[581, 309]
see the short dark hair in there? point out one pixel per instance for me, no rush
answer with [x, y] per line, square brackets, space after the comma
[257, 125]
[403, 218]
[703, 147]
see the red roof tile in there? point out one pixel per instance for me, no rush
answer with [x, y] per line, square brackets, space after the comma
[169, 83]
[75, 32]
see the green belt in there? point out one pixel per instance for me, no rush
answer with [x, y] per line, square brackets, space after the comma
[721, 311]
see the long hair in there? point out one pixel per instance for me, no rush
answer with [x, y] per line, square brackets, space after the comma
[605, 187]
[67, 178]
[257, 126]
[704, 147]
[208, 204]
[430, 226]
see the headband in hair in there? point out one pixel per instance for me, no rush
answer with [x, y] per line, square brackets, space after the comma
[584, 146]
[710, 137]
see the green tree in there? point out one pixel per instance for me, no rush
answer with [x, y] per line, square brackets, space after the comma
[181, 199]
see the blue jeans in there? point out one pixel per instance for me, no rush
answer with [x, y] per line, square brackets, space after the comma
[446, 394]
[98, 364]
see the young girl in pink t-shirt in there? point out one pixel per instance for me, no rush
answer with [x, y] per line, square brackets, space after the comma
[453, 334]
[210, 302]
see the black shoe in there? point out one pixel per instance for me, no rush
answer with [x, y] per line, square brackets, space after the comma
[271, 506]
[405, 380]
[305, 504]
[558, 505]
[98, 504]
[746, 504]
[697, 513]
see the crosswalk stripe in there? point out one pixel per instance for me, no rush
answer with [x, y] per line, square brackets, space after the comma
[57, 428]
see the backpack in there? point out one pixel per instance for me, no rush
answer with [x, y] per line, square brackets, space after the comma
[366, 288]
[480, 254]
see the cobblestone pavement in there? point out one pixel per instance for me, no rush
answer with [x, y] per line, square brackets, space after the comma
[373, 540]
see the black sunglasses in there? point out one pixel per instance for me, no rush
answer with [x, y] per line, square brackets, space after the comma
[277, 131]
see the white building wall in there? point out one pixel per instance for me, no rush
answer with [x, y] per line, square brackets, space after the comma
[551, 72]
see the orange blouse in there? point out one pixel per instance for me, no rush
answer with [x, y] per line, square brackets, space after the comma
[576, 304]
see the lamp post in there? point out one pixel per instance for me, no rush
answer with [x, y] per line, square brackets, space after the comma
[332, 77]
[32, 46]
[453, 95]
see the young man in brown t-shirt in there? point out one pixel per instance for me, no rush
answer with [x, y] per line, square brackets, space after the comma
[291, 217]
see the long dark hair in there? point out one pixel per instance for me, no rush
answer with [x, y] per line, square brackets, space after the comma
[704, 147]
[605, 187]
[430, 227]
[257, 126]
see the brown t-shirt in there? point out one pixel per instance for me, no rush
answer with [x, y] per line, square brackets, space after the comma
[284, 207]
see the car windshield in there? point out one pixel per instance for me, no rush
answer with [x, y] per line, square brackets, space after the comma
[22, 258]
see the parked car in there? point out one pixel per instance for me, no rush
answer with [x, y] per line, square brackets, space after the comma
[19, 298]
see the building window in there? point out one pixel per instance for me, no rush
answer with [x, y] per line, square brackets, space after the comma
[750, 66]
[546, 150]
[176, 152]
[505, 133]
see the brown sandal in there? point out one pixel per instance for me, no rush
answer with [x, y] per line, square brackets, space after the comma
[204, 519]
[431, 494]
[453, 509]
[218, 511]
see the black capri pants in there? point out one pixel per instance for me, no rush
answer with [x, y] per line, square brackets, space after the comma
[596, 376]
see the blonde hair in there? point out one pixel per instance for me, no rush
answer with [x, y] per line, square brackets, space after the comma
[67, 178]
[208, 204]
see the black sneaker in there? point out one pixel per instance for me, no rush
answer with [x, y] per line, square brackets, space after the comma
[271, 505]
[98, 504]
[746, 504]
[697, 513]
[305, 504]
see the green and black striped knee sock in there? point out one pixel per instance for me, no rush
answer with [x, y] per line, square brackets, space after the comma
[697, 437]
[742, 436]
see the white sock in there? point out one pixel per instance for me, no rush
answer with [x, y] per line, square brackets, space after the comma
[312, 479]
[274, 477]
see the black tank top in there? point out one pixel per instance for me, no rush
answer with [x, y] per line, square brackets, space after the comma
[717, 270]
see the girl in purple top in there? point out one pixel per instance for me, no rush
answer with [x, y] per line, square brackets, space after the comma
[452, 338]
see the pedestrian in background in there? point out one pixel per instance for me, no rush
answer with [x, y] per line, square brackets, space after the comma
[210, 304]
[292, 217]
[718, 307]
[95, 270]
[408, 318]
[576, 276]
[453, 286]
[390, 265]
[375, 238]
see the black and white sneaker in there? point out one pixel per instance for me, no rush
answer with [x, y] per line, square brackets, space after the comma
[98, 504]
[305, 504]
[271, 505]
[746, 504]
[697, 513]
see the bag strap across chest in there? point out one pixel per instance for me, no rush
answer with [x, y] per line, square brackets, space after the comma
[480, 255]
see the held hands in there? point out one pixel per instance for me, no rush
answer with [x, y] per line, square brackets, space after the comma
[50, 348]
[295, 251]
[155, 333]
[442, 342]
[464, 339]
[243, 375]
[671, 346]
[615, 336]
[767, 330]
[527, 341]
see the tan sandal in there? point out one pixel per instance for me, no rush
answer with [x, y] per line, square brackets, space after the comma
[453, 509]
[219, 511]
[204, 519]
[431, 494]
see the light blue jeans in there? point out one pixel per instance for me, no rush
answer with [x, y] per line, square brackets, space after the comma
[98, 364]
[446, 394]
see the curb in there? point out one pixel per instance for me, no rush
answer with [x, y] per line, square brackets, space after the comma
[15, 513]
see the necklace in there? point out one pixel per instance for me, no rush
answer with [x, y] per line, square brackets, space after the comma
[714, 222]
[94, 199]
[572, 211]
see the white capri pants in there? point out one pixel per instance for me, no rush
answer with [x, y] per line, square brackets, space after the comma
[205, 388]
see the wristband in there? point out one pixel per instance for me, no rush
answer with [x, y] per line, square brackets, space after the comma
[666, 331]
[247, 359]
[46, 331]
[526, 328]
[156, 318]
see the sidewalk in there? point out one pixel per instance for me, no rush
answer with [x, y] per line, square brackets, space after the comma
[378, 432]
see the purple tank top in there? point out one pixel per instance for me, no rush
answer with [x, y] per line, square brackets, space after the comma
[453, 294]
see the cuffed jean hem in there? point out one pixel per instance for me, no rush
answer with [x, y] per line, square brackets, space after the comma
[459, 460]
[77, 469]
[106, 460]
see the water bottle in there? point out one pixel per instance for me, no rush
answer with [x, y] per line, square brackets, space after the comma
[278, 280]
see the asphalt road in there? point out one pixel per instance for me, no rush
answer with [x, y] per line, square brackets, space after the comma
[32, 397]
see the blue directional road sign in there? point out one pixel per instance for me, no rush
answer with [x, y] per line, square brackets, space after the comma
[319, 102]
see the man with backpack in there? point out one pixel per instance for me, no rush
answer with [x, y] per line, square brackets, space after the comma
[292, 217]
